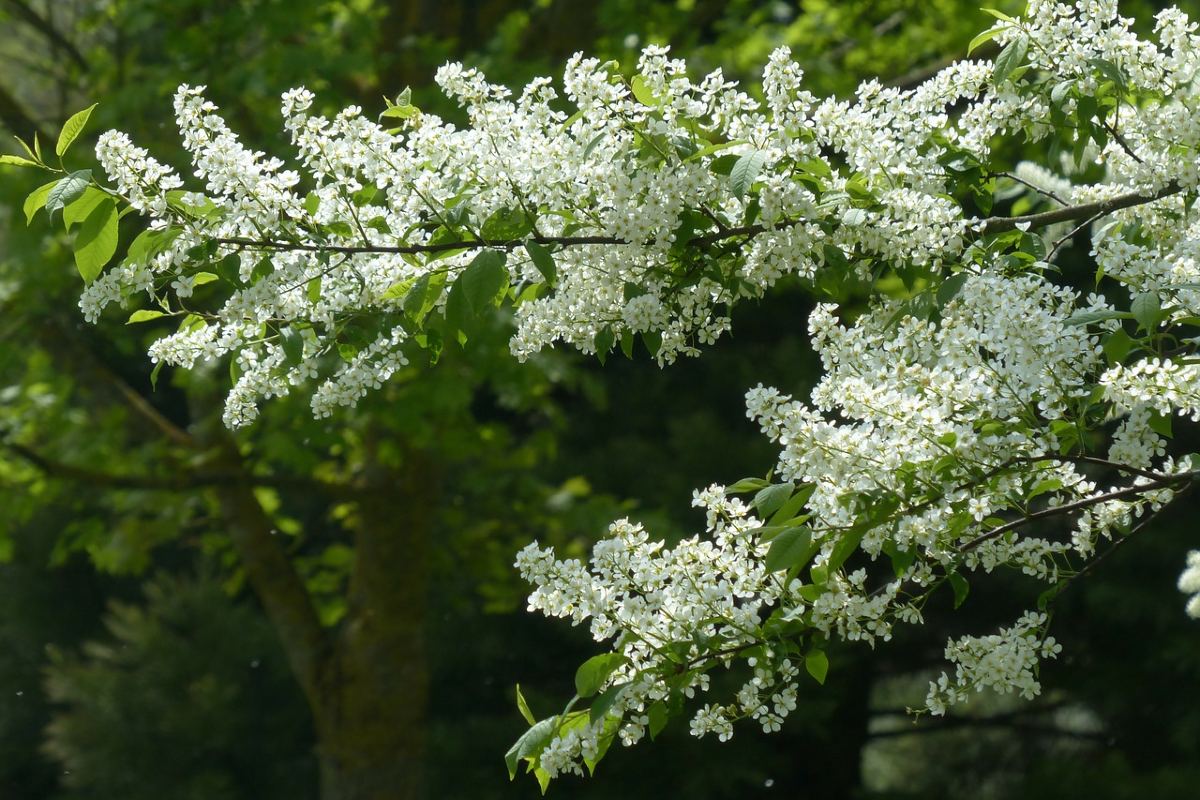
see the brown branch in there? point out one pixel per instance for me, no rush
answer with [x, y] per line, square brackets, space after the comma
[983, 227]
[1087, 502]
[1102, 462]
[272, 575]
[412, 249]
[997, 721]
[1083, 211]
[1116, 134]
[1145, 523]
[1012, 176]
[881, 29]
[918, 75]
[47, 30]
[181, 481]
[76, 357]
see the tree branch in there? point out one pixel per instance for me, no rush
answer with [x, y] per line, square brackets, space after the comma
[1091, 565]
[1083, 211]
[985, 226]
[272, 575]
[172, 482]
[1087, 502]
[52, 34]
[1009, 721]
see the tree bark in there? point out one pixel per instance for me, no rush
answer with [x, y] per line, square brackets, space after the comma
[372, 721]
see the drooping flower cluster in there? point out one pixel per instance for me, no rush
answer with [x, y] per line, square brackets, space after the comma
[962, 400]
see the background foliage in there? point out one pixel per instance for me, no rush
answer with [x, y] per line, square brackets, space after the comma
[134, 662]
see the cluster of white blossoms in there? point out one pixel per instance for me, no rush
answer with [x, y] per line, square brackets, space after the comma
[1004, 662]
[963, 399]
[1189, 583]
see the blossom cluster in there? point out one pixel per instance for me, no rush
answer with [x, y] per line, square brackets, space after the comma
[1189, 583]
[963, 398]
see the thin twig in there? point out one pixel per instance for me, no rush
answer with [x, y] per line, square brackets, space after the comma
[1046, 192]
[1064, 239]
[1087, 502]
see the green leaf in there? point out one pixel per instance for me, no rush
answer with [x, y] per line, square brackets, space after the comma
[32, 153]
[149, 243]
[1110, 71]
[641, 92]
[1117, 345]
[708, 150]
[71, 130]
[627, 342]
[364, 195]
[423, 295]
[17, 161]
[293, 345]
[542, 259]
[201, 278]
[793, 547]
[312, 203]
[1060, 91]
[960, 586]
[603, 342]
[592, 674]
[77, 210]
[1047, 597]
[658, 718]
[745, 171]
[523, 707]
[817, 664]
[846, 546]
[653, 341]
[723, 165]
[605, 701]
[144, 315]
[458, 311]
[1000, 15]
[772, 498]
[530, 745]
[1088, 317]
[484, 281]
[505, 225]
[1146, 310]
[793, 505]
[901, 559]
[313, 290]
[97, 240]
[229, 269]
[1043, 486]
[1161, 424]
[607, 735]
[405, 111]
[747, 485]
[985, 37]
[67, 190]
[1010, 58]
[950, 288]
[37, 200]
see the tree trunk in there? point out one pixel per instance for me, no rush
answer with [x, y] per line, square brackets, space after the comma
[371, 726]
